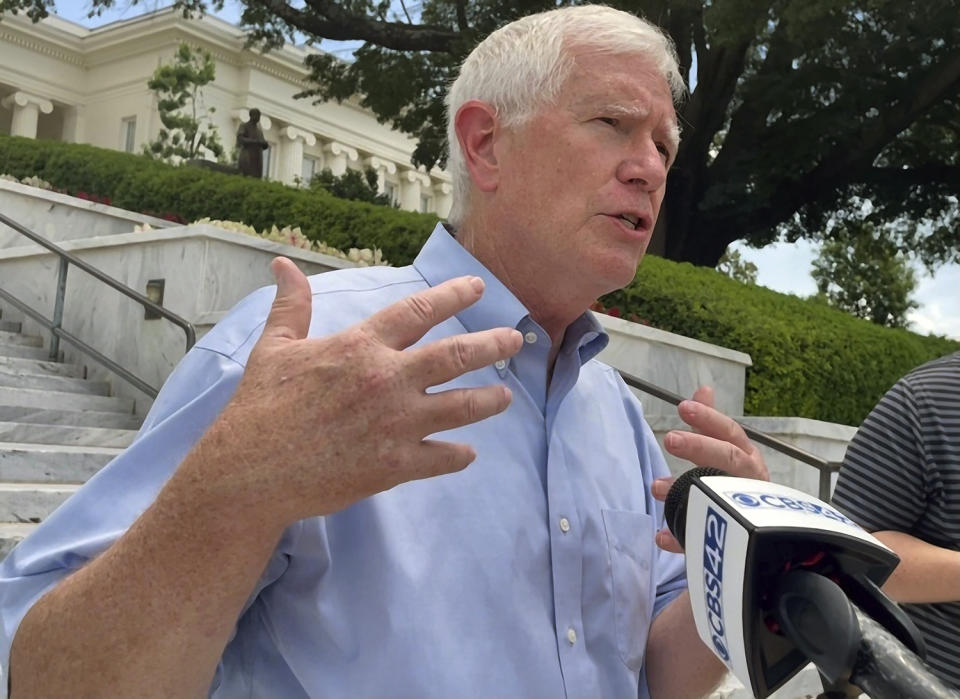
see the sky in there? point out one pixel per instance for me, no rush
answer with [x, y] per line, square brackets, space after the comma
[783, 267]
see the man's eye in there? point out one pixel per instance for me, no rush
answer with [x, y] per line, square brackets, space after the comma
[609, 120]
[664, 151]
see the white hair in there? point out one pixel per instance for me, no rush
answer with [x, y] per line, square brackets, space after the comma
[522, 66]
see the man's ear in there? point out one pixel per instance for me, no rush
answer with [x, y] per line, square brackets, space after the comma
[477, 127]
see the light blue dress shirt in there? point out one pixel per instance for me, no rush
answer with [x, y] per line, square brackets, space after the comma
[532, 573]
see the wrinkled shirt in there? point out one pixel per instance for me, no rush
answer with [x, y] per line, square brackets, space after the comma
[532, 573]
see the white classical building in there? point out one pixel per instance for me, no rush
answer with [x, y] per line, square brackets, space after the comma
[62, 81]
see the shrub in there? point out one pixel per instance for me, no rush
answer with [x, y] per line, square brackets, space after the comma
[186, 193]
[808, 360]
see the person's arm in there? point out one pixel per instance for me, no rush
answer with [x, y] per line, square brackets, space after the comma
[152, 615]
[926, 573]
[677, 662]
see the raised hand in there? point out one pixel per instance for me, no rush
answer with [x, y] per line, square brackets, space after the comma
[324, 422]
[717, 440]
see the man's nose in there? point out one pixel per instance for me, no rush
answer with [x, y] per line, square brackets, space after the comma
[643, 165]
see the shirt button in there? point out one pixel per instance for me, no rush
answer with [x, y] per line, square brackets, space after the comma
[530, 337]
[564, 525]
[571, 636]
[500, 364]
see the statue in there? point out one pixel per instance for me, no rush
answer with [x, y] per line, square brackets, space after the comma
[251, 143]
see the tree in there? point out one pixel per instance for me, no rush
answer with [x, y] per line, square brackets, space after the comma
[734, 266]
[353, 184]
[863, 272]
[800, 110]
[179, 86]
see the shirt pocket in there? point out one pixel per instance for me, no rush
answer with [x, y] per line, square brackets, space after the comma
[630, 544]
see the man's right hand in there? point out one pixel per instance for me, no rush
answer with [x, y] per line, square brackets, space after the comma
[319, 423]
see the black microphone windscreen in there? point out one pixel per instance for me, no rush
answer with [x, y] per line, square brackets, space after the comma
[675, 507]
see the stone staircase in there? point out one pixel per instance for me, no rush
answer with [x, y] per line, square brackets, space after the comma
[56, 430]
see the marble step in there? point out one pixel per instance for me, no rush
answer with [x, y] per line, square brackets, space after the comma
[40, 366]
[16, 338]
[10, 326]
[11, 534]
[21, 379]
[73, 418]
[31, 502]
[71, 435]
[60, 400]
[11, 350]
[49, 463]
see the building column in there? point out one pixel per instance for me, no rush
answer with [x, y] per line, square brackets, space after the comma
[411, 187]
[290, 156]
[74, 124]
[337, 156]
[382, 168]
[442, 198]
[26, 112]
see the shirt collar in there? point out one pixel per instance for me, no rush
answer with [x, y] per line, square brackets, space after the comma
[443, 258]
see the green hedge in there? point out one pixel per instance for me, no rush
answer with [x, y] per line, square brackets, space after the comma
[139, 184]
[808, 360]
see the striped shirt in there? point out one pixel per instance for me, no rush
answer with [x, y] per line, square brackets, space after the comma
[902, 473]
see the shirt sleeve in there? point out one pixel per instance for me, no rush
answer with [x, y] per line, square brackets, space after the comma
[882, 482]
[102, 510]
[671, 572]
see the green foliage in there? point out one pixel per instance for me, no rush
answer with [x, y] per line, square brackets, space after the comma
[186, 194]
[865, 273]
[809, 360]
[178, 86]
[734, 266]
[353, 185]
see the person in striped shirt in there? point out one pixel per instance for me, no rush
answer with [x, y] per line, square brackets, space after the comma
[901, 480]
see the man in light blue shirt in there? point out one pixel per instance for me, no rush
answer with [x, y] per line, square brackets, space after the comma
[296, 517]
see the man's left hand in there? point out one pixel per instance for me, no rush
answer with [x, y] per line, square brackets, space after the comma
[717, 440]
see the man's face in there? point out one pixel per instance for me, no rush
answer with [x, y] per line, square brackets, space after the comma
[583, 181]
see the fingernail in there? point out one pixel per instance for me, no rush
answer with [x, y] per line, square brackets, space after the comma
[673, 440]
[689, 407]
[476, 283]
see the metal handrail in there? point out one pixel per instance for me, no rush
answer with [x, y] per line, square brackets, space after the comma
[54, 326]
[826, 468]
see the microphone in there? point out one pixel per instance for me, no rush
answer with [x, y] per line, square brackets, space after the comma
[772, 572]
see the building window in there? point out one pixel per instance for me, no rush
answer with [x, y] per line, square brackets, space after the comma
[128, 133]
[390, 189]
[308, 170]
[426, 204]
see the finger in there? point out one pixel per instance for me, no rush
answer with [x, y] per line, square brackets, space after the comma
[704, 395]
[712, 423]
[447, 410]
[660, 488]
[435, 458]
[703, 450]
[406, 321]
[451, 357]
[290, 314]
[668, 542]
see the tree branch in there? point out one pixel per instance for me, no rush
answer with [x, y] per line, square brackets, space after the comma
[926, 174]
[462, 16]
[328, 20]
[405, 13]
